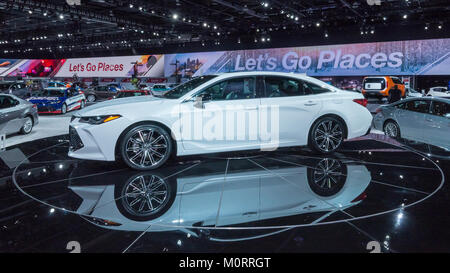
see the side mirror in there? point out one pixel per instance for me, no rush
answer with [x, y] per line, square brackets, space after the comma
[201, 100]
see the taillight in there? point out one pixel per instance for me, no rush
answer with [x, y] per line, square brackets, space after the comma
[363, 102]
[360, 197]
[34, 106]
[378, 110]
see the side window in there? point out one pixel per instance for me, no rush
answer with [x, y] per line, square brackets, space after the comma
[7, 102]
[312, 88]
[233, 89]
[283, 87]
[397, 81]
[420, 106]
[440, 108]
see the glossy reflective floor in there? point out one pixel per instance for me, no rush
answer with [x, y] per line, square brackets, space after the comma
[290, 200]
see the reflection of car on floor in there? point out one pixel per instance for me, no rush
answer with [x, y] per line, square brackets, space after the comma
[131, 93]
[379, 87]
[95, 93]
[248, 194]
[306, 111]
[426, 120]
[438, 92]
[16, 115]
[56, 100]
[16, 88]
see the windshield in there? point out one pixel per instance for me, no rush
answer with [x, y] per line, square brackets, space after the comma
[186, 87]
[49, 93]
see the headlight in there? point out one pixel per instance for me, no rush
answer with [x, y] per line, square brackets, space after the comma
[99, 119]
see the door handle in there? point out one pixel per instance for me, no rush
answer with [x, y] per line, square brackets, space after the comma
[310, 103]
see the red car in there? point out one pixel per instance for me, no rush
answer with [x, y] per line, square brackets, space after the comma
[131, 93]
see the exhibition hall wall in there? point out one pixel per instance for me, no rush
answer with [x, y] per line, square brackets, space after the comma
[416, 57]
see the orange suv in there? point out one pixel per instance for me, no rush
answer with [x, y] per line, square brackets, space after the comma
[380, 86]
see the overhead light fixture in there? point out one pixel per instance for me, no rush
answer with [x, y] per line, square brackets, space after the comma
[175, 16]
[131, 6]
[405, 16]
[318, 24]
[61, 16]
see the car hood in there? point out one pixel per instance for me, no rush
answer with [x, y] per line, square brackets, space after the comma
[122, 105]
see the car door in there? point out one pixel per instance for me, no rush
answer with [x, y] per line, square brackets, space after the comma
[294, 104]
[437, 125]
[10, 115]
[411, 118]
[222, 117]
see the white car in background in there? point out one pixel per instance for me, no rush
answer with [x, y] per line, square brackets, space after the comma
[243, 111]
[440, 91]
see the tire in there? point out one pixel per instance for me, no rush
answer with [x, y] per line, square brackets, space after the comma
[63, 109]
[83, 104]
[125, 195]
[391, 129]
[91, 98]
[326, 135]
[27, 126]
[141, 153]
[327, 178]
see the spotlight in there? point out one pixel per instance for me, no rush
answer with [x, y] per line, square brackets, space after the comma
[175, 16]
[405, 16]
[131, 6]
[318, 24]
[439, 27]
[61, 16]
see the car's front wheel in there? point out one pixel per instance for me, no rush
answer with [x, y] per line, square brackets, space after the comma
[326, 135]
[391, 129]
[91, 98]
[146, 147]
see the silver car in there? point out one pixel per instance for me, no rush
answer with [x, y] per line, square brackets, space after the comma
[16, 115]
[424, 119]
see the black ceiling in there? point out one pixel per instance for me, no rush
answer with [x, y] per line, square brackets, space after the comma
[47, 29]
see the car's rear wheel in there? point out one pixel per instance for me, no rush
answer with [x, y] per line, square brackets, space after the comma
[27, 126]
[63, 109]
[91, 98]
[391, 129]
[326, 135]
[146, 147]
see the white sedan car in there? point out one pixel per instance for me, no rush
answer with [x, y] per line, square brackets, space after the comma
[439, 92]
[220, 113]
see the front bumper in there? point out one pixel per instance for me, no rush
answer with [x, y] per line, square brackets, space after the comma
[95, 142]
[378, 121]
[49, 109]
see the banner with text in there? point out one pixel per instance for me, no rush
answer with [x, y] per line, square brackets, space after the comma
[419, 57]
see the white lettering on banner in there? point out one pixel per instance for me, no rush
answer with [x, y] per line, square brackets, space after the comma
[291, 61]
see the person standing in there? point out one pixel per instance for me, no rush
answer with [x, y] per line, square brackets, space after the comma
[394, 94]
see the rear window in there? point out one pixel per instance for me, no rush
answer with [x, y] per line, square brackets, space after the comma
[397, 81]
[130, 94]
[49, 93]
[374, 83]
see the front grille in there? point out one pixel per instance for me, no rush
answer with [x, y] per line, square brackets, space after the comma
[75, 142]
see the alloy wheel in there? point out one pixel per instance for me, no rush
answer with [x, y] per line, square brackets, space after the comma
[328, 135]
[146, 147]
[145, 195]
[327, 173]
[391, 130]
[28, 125]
